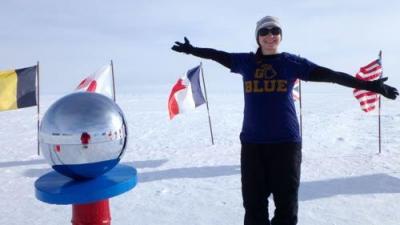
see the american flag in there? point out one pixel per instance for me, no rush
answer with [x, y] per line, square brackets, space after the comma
[296, 90]
[370, 72]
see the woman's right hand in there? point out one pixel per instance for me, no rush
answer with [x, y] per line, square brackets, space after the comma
[183, 47]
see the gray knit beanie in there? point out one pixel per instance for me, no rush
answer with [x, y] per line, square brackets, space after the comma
[268, 21]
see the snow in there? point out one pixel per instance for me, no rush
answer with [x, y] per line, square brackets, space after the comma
[183, 179]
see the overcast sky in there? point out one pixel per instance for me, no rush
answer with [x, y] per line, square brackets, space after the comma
[72, 39]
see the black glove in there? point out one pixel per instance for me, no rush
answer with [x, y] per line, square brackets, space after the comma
[183, 47]
[378, 86]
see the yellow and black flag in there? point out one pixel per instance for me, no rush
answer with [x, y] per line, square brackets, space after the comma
[18, 88]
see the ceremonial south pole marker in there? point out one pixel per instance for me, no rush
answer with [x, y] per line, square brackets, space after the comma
[83, 137]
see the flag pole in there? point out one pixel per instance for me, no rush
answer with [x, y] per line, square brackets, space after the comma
[208, 110]
[113, 79]
[301, 111]
[38, 107]
[379, 106]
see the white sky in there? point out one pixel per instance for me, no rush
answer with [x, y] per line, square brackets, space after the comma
[72, 39]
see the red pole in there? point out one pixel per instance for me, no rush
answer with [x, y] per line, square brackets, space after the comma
[97, 213]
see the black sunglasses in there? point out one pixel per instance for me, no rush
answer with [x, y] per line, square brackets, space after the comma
[265, 31]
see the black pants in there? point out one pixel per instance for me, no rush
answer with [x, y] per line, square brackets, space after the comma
[270, 169]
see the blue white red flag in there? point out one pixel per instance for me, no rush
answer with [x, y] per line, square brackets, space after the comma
[370, 72]
[186, 94]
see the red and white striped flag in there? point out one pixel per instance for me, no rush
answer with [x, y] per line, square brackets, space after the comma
[370, 72]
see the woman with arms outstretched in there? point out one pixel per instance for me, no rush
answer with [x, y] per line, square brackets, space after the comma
[270, 137]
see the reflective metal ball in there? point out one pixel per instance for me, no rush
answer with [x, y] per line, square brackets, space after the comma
[83, 135]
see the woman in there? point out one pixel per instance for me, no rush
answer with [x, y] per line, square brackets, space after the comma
[271, 143]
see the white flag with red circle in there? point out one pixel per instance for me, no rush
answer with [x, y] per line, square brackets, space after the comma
[100, 82]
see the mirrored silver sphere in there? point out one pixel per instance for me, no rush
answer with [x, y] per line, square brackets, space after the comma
[83, 135]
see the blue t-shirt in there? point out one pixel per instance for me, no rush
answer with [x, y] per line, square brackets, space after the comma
[269, 111]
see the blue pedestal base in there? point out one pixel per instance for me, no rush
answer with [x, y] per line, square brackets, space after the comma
[54, 188]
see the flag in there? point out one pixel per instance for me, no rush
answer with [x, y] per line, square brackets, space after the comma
[370, 72]
[18, 88]
[186, 94]
[296, 90]
[100, 82]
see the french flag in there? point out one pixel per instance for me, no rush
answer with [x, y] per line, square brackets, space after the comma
[186, 94]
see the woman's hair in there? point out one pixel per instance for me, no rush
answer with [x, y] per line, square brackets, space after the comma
[258, 55]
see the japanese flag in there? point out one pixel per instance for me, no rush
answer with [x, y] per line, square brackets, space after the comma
[100, 82]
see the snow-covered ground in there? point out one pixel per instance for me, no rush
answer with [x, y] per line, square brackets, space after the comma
[183, 179]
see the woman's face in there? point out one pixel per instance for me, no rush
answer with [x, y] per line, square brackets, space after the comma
[269, 39]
